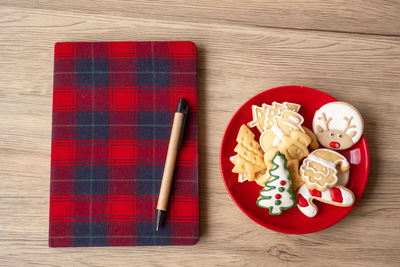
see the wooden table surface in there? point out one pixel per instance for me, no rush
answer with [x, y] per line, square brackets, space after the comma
[349, 49]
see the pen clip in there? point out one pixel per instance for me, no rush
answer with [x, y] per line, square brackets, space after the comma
[184, 109]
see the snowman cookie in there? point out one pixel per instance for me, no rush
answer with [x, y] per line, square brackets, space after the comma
[338, 125]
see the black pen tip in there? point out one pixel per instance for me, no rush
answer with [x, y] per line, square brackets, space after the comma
[160, 216]
[182, 106]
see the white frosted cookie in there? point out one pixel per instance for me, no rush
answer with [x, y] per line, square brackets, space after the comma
[338, 125]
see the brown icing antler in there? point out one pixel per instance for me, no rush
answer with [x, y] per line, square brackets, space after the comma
[325, 120]
[348, 126]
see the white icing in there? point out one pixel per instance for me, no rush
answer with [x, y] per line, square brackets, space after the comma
[341, 158]
[253, 123]
[294, 119]
[310, 210]
[348, 197]
[256, 112]
[293, 126]
[242, 177]
[338, 111]
[279, 134]
[326, 195]
[324, 162]
[293, 104]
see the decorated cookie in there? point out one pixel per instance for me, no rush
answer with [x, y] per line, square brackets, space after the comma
[258, 117]
[292, 106]
[263, 117]
[249, 159]
[338, 125]
[318, 170]
[289, 121]
[293, 146]
[277, 195]
[273, 110]
[337, 195]
[283, 126]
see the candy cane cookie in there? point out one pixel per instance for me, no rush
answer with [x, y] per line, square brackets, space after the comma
[337, 196]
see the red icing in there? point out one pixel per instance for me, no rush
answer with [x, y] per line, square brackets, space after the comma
[302, 201]
[336, 195]
[278, 196]
[315, 193]
[283, 182]
[334, 144]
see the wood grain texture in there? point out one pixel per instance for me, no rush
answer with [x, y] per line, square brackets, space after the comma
[363, 16]
[244, 48]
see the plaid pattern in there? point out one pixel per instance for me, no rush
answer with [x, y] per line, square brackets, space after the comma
[113, 107]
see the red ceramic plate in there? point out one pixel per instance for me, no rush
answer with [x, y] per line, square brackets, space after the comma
[245, 194]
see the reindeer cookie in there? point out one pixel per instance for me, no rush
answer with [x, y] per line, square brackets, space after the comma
[338, 125]
[318, 170]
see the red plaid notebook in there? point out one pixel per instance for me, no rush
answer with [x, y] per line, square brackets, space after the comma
[113, 107]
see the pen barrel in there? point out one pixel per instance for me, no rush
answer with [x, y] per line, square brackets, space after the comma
[169, 167]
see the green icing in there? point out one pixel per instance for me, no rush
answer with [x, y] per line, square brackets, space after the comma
[280, 189]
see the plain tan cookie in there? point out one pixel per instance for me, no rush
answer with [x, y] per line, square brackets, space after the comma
[314, 141]
[297, 181]
[262, 177]
[249, 159]
[295, 145]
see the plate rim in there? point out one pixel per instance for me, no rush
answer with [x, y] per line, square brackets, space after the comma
[262, 223]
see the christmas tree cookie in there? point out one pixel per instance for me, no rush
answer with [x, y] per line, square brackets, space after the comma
[277, 195]
[249, 159]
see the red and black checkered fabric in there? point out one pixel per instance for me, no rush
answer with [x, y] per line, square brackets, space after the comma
[113, 107]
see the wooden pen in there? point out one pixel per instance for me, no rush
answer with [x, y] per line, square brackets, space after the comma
[174, 145]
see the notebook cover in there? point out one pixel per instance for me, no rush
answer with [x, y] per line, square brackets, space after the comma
[113, 107]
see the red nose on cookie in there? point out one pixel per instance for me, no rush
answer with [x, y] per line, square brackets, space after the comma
[334, 144]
